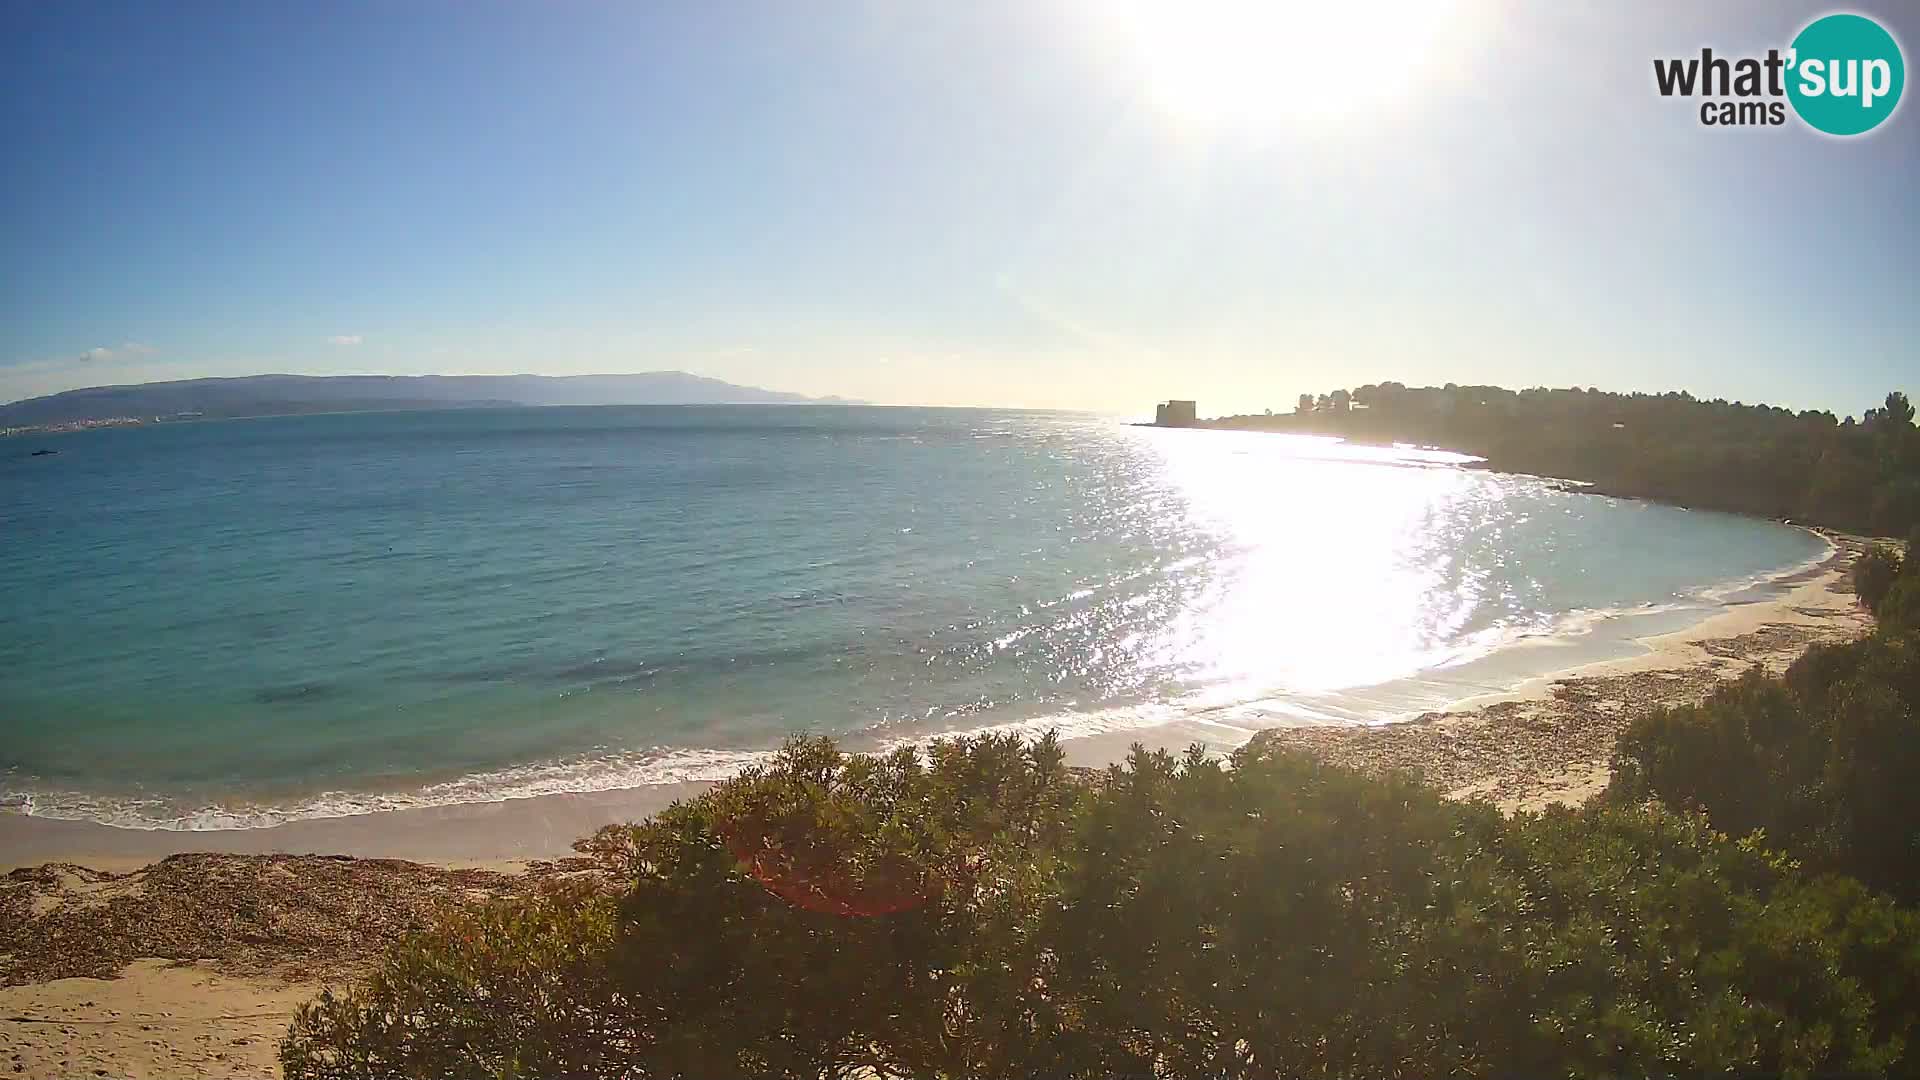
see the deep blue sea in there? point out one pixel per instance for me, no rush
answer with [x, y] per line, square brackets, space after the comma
[241, 622]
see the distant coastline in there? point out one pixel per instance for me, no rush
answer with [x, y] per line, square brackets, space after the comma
[196, 418]
[261, 396]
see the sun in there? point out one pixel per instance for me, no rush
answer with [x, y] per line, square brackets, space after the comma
[1248, 66]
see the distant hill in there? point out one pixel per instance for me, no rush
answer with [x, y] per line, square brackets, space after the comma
[272, 395]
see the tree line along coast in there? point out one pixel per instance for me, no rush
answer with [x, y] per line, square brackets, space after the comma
[1810, 467]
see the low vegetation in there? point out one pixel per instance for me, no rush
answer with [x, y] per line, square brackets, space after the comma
[1741, 900]
[982, 914]
[979, 911]
[1874, 574]
[1824, 760]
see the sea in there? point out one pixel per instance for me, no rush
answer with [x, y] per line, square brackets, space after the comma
[245, 622]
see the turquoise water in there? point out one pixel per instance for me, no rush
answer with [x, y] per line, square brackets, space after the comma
[242, 622]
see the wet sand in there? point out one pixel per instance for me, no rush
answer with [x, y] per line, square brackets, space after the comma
[473, 834]
[1549, 740]
[213, 952]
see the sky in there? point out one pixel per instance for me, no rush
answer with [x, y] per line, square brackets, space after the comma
[1085, 204]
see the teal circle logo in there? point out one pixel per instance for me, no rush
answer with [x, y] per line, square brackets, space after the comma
[1845, 74]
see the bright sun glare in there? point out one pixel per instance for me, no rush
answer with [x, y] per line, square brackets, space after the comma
[1254, 66]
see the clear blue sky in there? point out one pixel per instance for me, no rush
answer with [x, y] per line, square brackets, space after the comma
[1023, 202]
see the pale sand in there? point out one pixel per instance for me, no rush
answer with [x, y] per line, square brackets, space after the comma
[1544, 742]
[1548, 741]
[160, 1018]
[212, 954]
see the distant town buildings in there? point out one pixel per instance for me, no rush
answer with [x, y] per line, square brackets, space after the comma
[72, 425]
[1175, 413]
[95, 422]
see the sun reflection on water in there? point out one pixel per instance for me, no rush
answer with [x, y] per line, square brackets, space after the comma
[1337, 566]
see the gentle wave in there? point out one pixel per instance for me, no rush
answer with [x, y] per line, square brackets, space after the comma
[1720, 592]
[373, 602]
[601, 772]
[609, 772]
[1235, 718]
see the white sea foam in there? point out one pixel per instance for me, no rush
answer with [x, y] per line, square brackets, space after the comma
[1285, 583]
[1234, 717]
[602, 772]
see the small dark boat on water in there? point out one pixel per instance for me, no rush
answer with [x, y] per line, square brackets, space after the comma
[43, 453]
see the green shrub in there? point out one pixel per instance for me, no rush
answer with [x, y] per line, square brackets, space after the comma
[518, 989]
[1825, 760]
[1900, 608]
[976, 912]
[1289, 918]
[1874, 573]
[821, 915]
[832, 912]
[1746, 753]
[1253, 921]
[1654, 945]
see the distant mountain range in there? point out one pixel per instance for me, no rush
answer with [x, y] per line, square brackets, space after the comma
[275, 395]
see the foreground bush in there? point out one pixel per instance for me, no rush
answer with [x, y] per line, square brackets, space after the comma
[1874, 573]
[1825, 760]
[509, 989]
[1899, 609]
[1288, 918]
[822, 916]
[977, 912]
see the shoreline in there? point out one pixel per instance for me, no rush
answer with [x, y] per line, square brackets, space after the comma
[113, 964]
[1548, 741]
[543, 827]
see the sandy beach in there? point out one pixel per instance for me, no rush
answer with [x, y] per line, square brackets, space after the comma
[1548, 741]
[193, 966]
[114, 964]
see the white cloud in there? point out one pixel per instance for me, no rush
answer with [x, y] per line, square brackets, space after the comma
[344, 339]
[102, 352]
